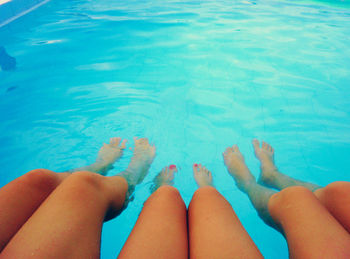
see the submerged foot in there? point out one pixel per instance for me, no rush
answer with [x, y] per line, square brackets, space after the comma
[108, 154]
[111, 152]
[237, 168]
[165, 177]
[202, 175]
[265, 154]
[141, 161]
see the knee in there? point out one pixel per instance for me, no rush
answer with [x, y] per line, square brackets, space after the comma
[335, 189]
[288, 198]
[41, 180]
[83, 186]
[203, 194]
[86, 180]
[168, 193]
[338, 188]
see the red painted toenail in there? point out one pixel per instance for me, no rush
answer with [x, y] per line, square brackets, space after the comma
[172, 166]
[195, 165]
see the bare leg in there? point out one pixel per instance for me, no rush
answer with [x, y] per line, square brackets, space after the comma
[214, 229]
[108, 154]
[165, 177]
[245, 181]
[24, 196]
[21, 197]
[270, 176]
[311, 231]
[161, 229]
[68, 223]
[335, 196]
[141, 161]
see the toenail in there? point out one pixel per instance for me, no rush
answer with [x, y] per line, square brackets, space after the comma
[195, 165]
[172, 166]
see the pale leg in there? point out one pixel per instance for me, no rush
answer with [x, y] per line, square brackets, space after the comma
[270, 176]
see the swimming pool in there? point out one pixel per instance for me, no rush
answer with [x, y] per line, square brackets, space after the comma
[193, 77]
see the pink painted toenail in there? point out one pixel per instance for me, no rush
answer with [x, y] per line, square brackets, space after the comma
[195, 165]
[172, 166]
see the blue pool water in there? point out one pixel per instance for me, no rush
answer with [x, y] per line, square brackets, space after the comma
[192, 76]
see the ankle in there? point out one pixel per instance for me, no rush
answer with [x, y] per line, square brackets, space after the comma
[269, 169]
[127, 174]
[205, 184]
[246, 185]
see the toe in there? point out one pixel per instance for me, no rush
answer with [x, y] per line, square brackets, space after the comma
[195, 167]
[256, 143]
[269, 148]
[171, 175]
[228, 150]
[210, 176]
[235, 148]
[164, 170]
[172, 169]
[123, 144]
[144, 141]
[114, 142]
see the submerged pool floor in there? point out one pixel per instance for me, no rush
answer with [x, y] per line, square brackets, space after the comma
[194, 77]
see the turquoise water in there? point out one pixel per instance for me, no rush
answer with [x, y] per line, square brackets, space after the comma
[194, 77]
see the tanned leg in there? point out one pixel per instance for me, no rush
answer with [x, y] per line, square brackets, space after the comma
[214, 228]
[20, 198]
[68, 223]
[335, 196]
[161, 229]
[311, 231]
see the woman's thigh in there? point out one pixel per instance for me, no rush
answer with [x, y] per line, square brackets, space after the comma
[336, 198]
[68, 223]
[311, 231]
[161, 229]
[20, 198]
[215, 230]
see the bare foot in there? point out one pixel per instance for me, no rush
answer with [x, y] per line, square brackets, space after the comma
[165, 177]
[108, 154]
[265, 154]
[237, 168]
[202, 175]
[141, 161]
[111, 152]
